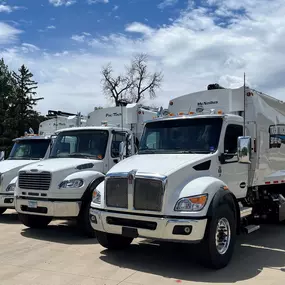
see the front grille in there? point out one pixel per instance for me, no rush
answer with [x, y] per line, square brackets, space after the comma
[34, 181]
[148, 194]
[117, 192]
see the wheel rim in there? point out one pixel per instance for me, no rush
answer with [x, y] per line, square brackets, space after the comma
[223, 236]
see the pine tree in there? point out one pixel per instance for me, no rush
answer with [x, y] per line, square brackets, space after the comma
[24, 101]
[6, 94]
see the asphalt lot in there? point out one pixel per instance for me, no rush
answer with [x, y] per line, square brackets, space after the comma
[59, 255]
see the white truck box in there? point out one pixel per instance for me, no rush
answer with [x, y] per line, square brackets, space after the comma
[199, 176]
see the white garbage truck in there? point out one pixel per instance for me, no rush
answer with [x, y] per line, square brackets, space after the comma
[62, 185]
[29, 149]
[209, 170]
[26, 150]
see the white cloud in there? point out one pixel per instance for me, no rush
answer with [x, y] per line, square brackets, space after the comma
[51, 27]
[193, 51]
[8, 34]
[167, 3]
[139, 28]
[78, 38]
[9, 9]
[97, 1]
[6, 8]
[26, 48]
[116, 7]
[58, 3]
[81, 38]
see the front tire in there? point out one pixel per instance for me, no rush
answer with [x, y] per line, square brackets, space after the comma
[2, 210]
[112, 241]
[35, 222]
[218, 245]
[83, 221]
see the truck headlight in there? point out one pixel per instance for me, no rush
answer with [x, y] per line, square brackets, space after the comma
[11, 187]
[73, 183]
[191, 204]
[96, 197]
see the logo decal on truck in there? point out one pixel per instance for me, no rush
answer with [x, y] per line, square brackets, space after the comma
[276, 135]
[207, 103]
[113, 114]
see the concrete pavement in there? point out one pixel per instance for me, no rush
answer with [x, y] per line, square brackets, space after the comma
[59, 255]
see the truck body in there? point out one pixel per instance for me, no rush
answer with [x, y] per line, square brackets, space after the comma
[60, 120]
[26, 150]
[62, 185]
[210, 169]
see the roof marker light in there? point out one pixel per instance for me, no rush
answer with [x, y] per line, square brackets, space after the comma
[220, 112]
[180, 113]
[171, 114]
[191, 113]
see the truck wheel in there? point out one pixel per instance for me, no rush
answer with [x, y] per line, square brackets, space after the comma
[83, 221]
[218, 245]
[36, 222]
[2, 210]
[112, 241]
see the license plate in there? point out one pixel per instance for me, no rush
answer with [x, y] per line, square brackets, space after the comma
[32, 204]
[130, 232]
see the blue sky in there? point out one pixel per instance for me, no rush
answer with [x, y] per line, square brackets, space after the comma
[51, 24]
[65, 43]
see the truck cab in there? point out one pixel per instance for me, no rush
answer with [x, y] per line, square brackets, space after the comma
[62, 185]
[26, 150]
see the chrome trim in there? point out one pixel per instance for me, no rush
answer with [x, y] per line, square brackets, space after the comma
[134, 174]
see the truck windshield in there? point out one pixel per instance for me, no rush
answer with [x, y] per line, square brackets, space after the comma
[29, 149]
[81, 144]
[199, 135]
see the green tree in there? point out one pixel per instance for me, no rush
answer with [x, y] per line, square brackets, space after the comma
[7, 89]
[23, 100]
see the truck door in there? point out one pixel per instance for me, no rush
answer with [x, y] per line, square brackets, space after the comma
[117, 138]
[234, 174]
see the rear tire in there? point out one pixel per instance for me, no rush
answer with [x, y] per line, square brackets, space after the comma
[112, 241]
[218, 245]
[36, 222]
[2, 210]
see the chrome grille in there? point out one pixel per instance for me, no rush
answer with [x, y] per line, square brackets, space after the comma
[148, 194]
[34, 181]
[117, 192]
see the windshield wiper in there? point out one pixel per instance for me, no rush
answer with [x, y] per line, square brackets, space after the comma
[146, 150]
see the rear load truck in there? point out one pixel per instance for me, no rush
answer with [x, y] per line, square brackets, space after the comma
[209, 170]
[26, 150]
[61, 186]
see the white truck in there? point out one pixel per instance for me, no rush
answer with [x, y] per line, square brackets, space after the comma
[29, 149]
[213, 167]
[26, 150]
[62, 185]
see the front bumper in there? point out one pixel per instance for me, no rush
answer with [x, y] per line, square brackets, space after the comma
[7, 200]
[161, 228]
[59, 209]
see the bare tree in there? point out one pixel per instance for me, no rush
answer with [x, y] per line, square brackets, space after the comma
[115, 87]
[142, 80]
[132, 86]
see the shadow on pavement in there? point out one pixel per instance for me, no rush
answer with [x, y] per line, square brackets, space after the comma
[9, 218]
[65, 232]
[265, 248]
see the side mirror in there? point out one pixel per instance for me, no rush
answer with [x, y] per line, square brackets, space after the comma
[244, 149]
[122, 150]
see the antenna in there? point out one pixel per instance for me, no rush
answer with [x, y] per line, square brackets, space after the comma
[244, 96]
